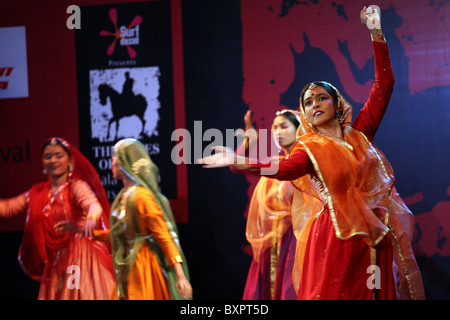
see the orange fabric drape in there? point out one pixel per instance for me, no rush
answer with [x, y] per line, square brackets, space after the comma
[362, 201]
[145, 280]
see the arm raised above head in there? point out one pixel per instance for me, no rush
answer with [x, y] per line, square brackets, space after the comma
[370, 116]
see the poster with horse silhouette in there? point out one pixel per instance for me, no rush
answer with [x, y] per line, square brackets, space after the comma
[126, 88]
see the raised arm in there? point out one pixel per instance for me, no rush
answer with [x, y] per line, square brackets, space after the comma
[370, 116]
[250, 138]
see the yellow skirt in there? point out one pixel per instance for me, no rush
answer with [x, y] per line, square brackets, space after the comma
[146, 280]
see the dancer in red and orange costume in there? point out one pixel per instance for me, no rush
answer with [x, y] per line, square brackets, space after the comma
[356, 243]
[57, 248]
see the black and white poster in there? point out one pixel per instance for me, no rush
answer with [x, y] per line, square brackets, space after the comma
[125, 82]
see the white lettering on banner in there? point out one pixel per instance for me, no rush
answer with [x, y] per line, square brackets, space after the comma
[129, 36]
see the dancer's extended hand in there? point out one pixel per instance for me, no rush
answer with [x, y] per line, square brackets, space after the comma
[222, 157]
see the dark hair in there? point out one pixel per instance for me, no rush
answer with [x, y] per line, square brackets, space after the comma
[322, 84]
[57, 141]
[290, 117]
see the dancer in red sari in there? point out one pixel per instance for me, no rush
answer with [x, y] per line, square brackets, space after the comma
[356, 243]
[57, 248]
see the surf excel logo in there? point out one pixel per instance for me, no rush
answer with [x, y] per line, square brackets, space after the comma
[123, 36]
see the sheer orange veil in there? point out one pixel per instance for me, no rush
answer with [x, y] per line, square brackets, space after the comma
[356, 182]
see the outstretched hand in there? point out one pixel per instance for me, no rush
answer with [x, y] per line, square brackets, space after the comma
[222, 157]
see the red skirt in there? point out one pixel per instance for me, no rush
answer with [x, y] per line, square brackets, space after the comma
[337, 269]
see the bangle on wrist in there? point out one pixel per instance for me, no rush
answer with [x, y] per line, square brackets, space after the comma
[377, 37]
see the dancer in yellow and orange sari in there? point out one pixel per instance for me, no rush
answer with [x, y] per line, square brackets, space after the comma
[149, 263]
[269, 227]
[57, 248]
[356, 243]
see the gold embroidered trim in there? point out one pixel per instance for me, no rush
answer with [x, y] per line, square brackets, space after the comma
[176, 259]
[274, 257]
[373, 262]
[405, 269]
[386, 222]
[275, 249]
[326, 193]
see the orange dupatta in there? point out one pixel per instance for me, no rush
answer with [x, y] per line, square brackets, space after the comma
[357, 183]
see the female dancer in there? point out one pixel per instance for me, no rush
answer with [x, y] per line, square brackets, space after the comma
[269, 227]
[148, 261]
[57, 248]
[356, 243]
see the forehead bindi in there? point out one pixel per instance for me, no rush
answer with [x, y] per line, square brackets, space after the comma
[317, 91]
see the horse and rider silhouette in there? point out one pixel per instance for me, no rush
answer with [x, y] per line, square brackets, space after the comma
[123, 105]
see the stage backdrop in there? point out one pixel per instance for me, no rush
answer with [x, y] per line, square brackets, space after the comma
[208, 62]
[127, 88]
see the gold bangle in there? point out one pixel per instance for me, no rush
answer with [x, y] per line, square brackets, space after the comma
[176, 259]
[378, 37]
